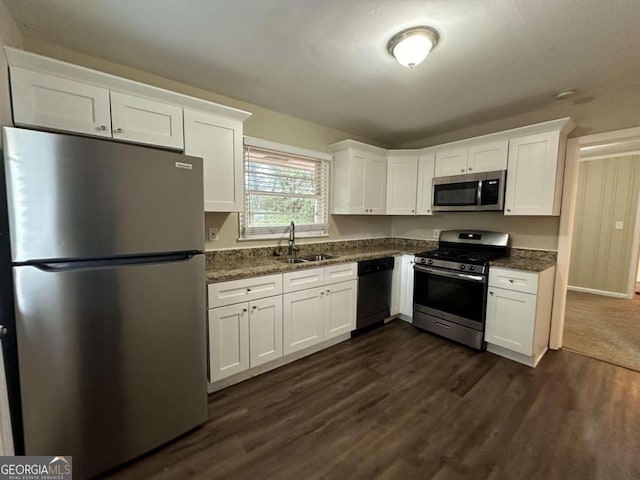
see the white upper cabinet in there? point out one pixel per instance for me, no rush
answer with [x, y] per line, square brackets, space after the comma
[534, 176]
[56, 103]
[359, 178]
[451, 162]
[426, 166]
[218, 141]
[140, 120]
[482, 157]
[402, 173]
[55, 95]
[488, 157]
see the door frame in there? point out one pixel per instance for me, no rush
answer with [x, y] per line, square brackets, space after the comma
[567, 219]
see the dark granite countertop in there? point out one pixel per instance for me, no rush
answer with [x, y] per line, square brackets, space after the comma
[225, 265]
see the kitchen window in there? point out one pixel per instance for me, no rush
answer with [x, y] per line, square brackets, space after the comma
[284, 184]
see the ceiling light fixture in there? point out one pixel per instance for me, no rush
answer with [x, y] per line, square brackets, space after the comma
[565, 94]
[411, 46]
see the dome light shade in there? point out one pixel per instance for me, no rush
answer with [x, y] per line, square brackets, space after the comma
[410, 47]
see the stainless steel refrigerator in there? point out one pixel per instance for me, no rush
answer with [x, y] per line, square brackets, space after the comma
[103, 296]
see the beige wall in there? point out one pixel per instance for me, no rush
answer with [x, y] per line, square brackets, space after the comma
[612, 107]
[9, 35]
[601, 255]
[264, 123]
[526, 232]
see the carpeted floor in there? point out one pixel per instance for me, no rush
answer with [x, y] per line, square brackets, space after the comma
[604, 328]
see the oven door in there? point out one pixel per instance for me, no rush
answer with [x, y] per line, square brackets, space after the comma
[449, 295]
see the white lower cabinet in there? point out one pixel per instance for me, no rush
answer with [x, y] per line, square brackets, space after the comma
[228, 340]
[265, 330]
[402, 287]
[340, 308]
[251, 323]
[303, 316]
[519, 314]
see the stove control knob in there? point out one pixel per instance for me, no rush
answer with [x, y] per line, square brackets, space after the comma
[430, 262]
[462, 267]
[472, 268]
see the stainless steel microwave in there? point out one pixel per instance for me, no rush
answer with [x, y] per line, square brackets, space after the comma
[468, 193]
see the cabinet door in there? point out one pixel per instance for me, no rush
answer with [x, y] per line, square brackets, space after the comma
[401, 185]
[140, 120]
[426, 166]
[218, 142]
[340, 308]
[451, 162]
[488, 157]
[511, 320]
[357, 177]
[303, 319]
[406, 286]
[532, 174]
[396, 291]
[265, 330]
[375, 181]
[228, 341]
[56, 103]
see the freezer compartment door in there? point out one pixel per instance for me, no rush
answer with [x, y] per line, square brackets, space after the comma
[74, 197]
[112, 360]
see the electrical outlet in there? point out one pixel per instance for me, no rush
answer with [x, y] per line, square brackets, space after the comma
[213, 234]
[619, 225]
[436, 233]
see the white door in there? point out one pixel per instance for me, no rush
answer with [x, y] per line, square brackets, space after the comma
[406, 286]
[228, 341]
[357, 166]
[375, 182]
[451, 162]
[510, 320]
[265, 330]
[303, 319]
[426, 166]
[340, 308]
[140, 120]
[531, 174]
[488, 157]
[218, 142]
[401, 185]
[57, 103]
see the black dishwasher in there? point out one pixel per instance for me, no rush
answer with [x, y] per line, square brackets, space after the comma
[374, 291]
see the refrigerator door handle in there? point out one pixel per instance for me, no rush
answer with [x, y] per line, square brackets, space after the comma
[111, 262]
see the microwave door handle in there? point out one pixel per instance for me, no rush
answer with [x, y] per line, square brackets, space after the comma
[461, 276]
[479, 193]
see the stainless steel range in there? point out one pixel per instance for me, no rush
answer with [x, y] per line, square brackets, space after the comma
[450, 284]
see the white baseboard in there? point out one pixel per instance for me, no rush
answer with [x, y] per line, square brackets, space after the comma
[594, 291]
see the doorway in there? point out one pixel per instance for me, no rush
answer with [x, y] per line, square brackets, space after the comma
[598, 261]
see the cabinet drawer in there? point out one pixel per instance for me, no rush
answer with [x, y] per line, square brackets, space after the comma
[303, 279]
[244, 290]
[517, 280]
[340, 273]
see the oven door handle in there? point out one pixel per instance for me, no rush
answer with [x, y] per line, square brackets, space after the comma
[461, 276]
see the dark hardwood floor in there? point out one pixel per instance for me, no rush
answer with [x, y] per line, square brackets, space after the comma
[398, 403]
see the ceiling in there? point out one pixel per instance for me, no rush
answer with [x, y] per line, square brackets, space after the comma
[326, 60]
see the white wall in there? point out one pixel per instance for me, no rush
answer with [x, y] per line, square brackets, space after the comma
[9, 35]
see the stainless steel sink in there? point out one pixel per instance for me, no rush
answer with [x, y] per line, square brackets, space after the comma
[317, 257]
[308, 258]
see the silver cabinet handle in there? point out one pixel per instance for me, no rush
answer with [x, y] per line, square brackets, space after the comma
[462, 170]
[511, 280]
[254, 307]
[470, 168]
[413, 211]
[118, 130]
[101, 128]
[248, 290]
[508, 209]
[428, 211]
[328, 291]
[322, 294]
[244, 310]
[490, 293]
[3, 330]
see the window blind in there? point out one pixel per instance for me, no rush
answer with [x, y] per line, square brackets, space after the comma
[281, 188]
